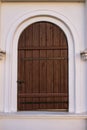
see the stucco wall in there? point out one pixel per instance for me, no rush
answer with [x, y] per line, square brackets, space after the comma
[41, 124]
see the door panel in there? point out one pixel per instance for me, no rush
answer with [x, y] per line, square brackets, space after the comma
[42, 68]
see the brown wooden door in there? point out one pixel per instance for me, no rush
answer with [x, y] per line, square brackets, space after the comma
[42, 68]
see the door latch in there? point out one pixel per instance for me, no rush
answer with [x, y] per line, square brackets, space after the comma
[20, 82]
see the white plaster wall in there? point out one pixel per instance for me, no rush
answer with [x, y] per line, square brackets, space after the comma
[86, 46]
[1, 69]
[42, 124]
[74, 12]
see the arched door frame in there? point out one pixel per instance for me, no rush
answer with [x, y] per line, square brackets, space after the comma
[10, 101]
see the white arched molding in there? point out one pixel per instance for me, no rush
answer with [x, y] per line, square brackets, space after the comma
[10, 100]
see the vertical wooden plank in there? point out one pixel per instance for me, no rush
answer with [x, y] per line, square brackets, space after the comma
[35, 78]
[64, 72]
[56, 36]
[28, 65]
[57, 78]
[43, 79]
[43, 66]
[50, 78]
[21, 70]
[50, 35]
[63, 40]
[29, 78]
[36, 85]
[64, 76]
[50, 64]
[43, 36]
[36, 34]
[29, 36]
[64, 64]
[21, 42]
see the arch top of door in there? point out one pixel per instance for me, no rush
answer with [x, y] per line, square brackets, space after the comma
[42, 15]
[46, 25]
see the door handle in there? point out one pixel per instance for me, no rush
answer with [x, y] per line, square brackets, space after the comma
[20, 81]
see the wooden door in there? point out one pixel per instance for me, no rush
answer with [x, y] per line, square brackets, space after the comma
[42, 68]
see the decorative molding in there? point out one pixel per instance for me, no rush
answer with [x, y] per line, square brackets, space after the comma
[46, 115]
[2, 54]
[84, 55]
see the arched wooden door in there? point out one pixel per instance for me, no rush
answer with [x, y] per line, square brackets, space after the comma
[42, 68]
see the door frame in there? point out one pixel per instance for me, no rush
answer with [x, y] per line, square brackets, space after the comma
[10, 102]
